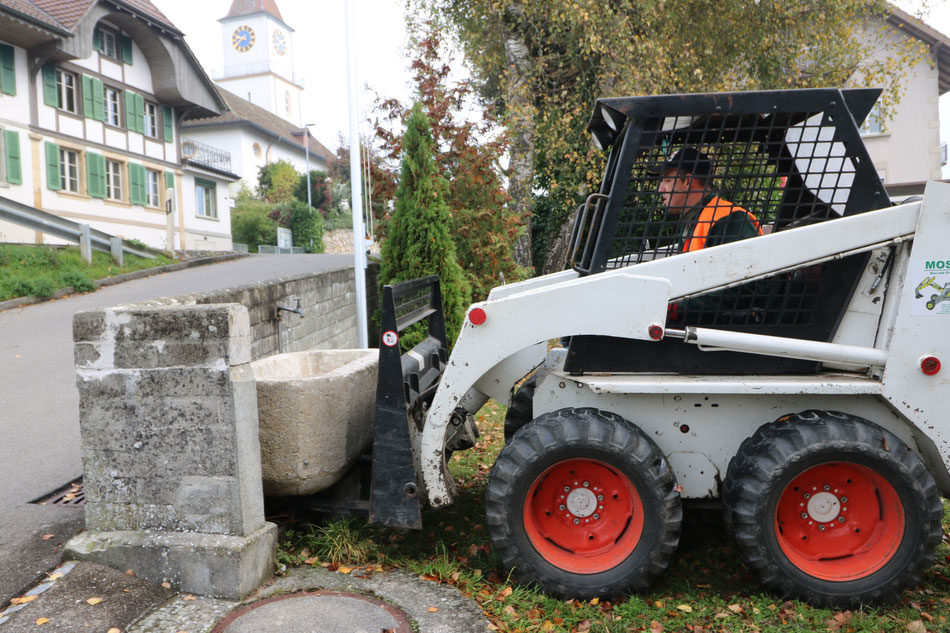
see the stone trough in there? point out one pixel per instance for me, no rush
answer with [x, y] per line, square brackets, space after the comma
[316, 412]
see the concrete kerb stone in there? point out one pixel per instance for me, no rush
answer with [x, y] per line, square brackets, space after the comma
[452, 613]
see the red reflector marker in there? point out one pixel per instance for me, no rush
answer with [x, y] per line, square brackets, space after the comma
[477, 316]
[930, 365]
[656, 332]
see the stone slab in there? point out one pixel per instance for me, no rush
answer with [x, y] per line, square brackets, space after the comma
[203, 564]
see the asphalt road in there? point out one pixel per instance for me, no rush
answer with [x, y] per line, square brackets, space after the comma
[39, 403]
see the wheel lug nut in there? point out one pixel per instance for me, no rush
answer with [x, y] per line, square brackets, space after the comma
[567, 488]
[804, 515]
[577, 521]
[821, 528]
[807, 495]
[596, 516]
[587, 484]
[561, 507]
[844, 500]
[840, 519]
[826, 487]
[600, 497]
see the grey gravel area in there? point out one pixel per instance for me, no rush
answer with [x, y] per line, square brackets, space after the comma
[432, 607]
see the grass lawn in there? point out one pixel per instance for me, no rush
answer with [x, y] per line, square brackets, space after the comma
[39, 271]
[707, 588]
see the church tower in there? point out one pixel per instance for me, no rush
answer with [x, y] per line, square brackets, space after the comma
[259, 58]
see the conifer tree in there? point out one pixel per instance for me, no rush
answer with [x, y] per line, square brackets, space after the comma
[419, 242]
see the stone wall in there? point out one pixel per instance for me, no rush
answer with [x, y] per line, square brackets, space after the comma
[168, 415]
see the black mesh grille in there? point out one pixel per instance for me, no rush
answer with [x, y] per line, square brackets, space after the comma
[733, 168]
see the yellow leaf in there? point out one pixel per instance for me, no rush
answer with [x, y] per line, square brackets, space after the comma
[311, 561]
[56, 575]
[594, 602]
[547, 626]
[23, 600]
[658, 604]
[685, 608]
[41, 621]
[188, 596]
[94, 601]
[433, 609]
[735, 608]
[167, 585]
[129, 572]
[344, 569]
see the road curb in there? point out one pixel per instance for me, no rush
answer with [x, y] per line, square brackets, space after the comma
[117, 279]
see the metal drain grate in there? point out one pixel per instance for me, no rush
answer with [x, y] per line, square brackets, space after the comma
[72, 494]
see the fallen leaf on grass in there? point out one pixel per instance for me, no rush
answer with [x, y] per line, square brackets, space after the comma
[685, 608]
[94, 601]
[926, 616]
[23, 600]
[492, 627]
[310, 561]
[433, 609]
[47, 537]
[547, 626]
[722, 614]
[510, 610]
[656, 627]
[583, 626]
[658, 604]
[917, 626]
[735, 608]
[504, 593]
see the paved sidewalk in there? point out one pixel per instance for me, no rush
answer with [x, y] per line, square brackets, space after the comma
[80, 597]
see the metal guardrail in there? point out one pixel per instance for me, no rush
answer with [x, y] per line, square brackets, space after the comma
[26, 216]
[239, 248]
[263, 249]
[199, 153]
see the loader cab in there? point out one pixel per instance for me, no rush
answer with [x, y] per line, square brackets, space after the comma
[788, 158]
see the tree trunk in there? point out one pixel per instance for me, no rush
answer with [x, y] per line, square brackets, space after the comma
[556, 259]
[521, 127]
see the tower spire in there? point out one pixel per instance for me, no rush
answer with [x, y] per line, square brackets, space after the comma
[250, 7]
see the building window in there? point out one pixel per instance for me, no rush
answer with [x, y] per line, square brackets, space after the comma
[153, 199]
[112, 107]
[872, 124]
[151, 120]
[66, 91]
[257, 150]
[113, 180]
[68, 170]
[287, 101]
[204, 199]
[110, 44]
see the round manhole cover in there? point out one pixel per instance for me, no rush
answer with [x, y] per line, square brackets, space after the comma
[316, 612]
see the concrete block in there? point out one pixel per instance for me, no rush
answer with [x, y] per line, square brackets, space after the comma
[89, 325]
[317, 413]
[202, 564]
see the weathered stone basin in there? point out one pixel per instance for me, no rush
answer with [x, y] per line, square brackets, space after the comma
[317, 412]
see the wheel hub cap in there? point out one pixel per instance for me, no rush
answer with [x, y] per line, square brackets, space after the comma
[581, 502]
[824, 507]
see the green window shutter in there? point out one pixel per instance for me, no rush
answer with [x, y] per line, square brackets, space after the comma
[133, 112]
[7, 70]
[169, 180]
[137, 184]
[167, 123]
[126, 50]
[97, 39]
[140, 112]
[50, 94]
[95, 175]
[98, 100]
[88, 107]
[14, 169]
[52, 166]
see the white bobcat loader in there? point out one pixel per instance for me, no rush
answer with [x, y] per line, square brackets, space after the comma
[794, 376]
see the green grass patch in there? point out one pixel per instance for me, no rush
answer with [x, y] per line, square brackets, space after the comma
[707, 588]
[42, 271]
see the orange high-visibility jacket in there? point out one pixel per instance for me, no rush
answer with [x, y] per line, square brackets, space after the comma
[715, 210]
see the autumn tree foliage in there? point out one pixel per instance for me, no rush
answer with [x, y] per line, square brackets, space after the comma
[468, 157]
[419, 241]
[544, 64]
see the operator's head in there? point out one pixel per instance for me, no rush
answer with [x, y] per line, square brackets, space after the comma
[684, 179]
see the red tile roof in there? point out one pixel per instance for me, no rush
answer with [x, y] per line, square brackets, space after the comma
[243, 111]
[249, 7]
[67, 13]
[27, 8]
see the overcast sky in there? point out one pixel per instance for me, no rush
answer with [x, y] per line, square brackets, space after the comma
[320, 51]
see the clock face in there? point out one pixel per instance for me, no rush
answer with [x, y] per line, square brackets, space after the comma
[280, 42]
[243, 38]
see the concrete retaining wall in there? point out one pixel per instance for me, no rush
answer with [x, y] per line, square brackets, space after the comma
[168, 414]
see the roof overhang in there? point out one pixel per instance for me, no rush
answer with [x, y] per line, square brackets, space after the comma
[937, 42]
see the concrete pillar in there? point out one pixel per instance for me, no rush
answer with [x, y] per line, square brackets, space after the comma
[85, 243]
[171, 458]
[117, 252]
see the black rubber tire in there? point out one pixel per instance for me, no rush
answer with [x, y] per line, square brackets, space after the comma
[520, 412]
[931, 305]
[778, 452]
[570, 434]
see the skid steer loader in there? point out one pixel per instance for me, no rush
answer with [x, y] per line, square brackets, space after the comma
[791, 376]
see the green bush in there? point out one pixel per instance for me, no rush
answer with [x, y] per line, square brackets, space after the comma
[251, 223]
[305, 224]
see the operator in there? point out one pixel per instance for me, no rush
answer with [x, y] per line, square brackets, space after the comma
[686, 189]
[706, 220]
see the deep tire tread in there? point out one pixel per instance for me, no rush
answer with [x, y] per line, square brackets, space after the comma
[761, 461]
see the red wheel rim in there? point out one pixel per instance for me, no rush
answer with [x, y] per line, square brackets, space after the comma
[839, 521]
[583, 516]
